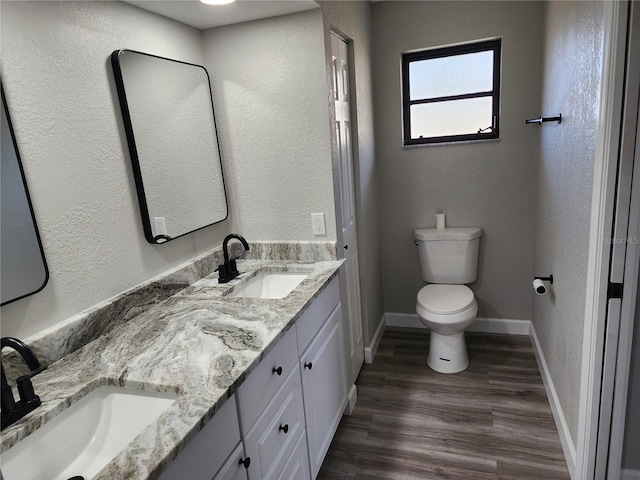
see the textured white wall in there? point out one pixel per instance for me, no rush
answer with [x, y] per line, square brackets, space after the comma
[353, 19]
[59, 84]
[489, 185]
[269, 87]
[572, 63]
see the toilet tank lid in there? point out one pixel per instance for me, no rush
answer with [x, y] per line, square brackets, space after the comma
[454, 233]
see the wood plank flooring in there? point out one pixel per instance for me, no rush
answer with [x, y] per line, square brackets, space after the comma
[492, 421]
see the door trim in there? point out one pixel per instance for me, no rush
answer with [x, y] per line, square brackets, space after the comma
[630, 146]
[602, 207]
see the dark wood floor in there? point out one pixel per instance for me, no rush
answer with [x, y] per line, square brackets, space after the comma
[492, 421]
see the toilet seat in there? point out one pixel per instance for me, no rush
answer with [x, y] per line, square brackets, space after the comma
[447, 310]
[442, 299]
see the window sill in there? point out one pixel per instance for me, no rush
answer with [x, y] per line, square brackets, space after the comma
[444, 144]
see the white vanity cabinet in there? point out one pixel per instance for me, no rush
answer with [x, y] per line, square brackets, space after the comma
[280, 422]
[215, 453]
[292, 434]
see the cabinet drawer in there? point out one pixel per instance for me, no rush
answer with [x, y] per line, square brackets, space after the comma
[207, 452]
[313, 318]
[274, 435]
[233, 469]
[297, 467]
[254, 394]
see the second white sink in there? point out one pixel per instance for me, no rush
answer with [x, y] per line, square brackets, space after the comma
[269, 285]
[82, 439]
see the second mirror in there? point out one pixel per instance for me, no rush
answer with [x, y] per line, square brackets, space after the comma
[168, 116]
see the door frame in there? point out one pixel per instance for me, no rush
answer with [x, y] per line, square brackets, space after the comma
[329, 31]
[602, 214]
[630, 145]
[626, 328]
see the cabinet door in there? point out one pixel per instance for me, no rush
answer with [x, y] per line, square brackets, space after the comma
[233, 469]
[324, 388]
[297, 467]
[208, 451]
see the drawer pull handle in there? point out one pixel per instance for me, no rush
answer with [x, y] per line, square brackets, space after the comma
[246, 462]
[308, 365]
[277, 370]
[284, 428]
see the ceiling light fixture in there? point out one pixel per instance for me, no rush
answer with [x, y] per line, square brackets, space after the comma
[217, 2]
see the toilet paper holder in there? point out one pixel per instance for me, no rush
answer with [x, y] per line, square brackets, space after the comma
[540, 120]
[539, 287]
[545, 279]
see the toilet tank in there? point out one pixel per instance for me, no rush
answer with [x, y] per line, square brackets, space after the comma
[448, 255]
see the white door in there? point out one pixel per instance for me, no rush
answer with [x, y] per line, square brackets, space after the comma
[623, 273]
[353, 312]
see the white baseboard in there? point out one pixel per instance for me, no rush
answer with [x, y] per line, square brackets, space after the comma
[370, 351]
[628, 474]
[406, 320]
[483, 325]
[352, 398]
[506, 326]
[568, 446]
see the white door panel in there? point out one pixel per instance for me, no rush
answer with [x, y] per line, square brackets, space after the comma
[353, 309]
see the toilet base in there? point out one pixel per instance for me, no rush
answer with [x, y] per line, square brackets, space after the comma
[448, 353]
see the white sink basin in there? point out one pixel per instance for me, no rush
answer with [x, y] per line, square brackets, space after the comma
[269, 285]
[86, 436]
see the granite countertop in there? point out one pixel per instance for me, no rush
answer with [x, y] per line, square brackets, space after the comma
[199, 344]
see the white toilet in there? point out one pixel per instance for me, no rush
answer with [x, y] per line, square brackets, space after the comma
[449, 259]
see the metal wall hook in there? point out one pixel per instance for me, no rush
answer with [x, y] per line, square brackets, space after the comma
[542, 120]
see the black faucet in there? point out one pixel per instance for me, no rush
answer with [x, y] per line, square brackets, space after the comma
[13, 411]
[228, 270]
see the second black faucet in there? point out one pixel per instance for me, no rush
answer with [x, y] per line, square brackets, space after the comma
[13, 411]
[228, 270]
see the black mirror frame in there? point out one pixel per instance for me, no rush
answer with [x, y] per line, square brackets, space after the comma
[28, 197]
[133, 151]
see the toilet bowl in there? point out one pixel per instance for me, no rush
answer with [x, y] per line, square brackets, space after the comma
[447, 310]
[448, 260]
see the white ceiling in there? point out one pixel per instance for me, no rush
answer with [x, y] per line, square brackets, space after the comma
[199, 15]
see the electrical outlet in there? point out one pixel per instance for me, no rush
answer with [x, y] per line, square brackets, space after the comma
[161, 226]
[317, 224]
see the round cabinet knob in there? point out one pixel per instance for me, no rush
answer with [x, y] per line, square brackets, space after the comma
[277, 370]
[308, 365]
[346, 247]
[246, 462]
[284, 428]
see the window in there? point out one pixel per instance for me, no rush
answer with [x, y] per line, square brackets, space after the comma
[451, 94]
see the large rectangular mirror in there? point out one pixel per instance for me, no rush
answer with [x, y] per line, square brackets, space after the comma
[22, 265]
[168, 116]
